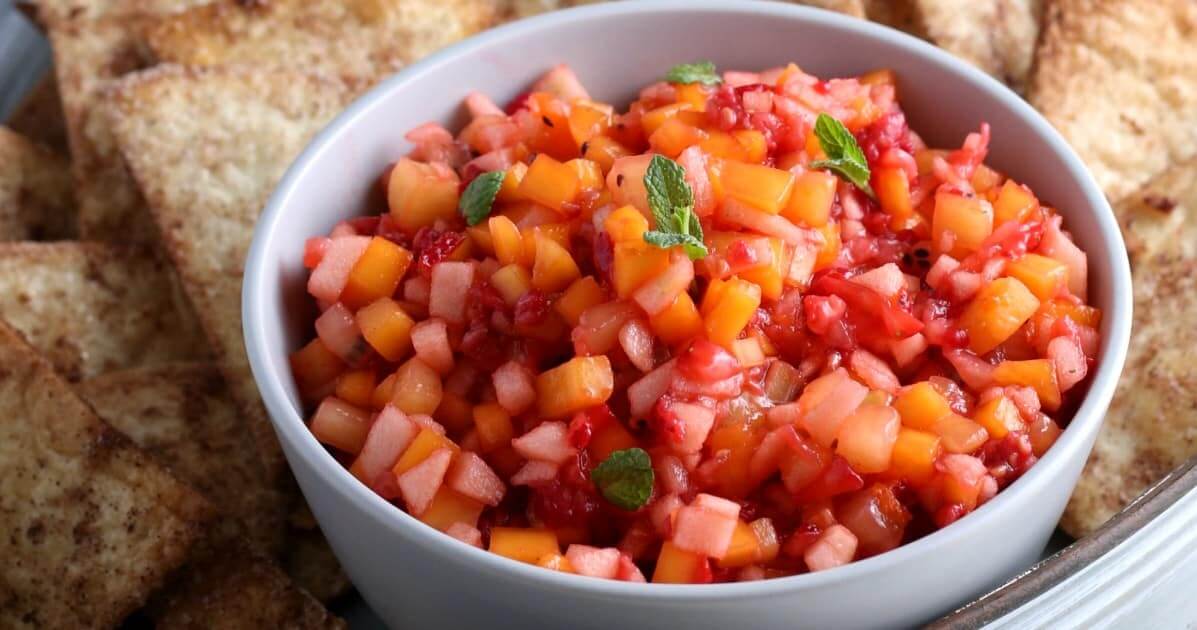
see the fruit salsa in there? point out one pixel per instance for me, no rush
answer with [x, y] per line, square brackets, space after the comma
[750, 327]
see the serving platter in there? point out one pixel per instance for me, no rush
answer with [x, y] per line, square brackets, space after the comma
[1134, 571]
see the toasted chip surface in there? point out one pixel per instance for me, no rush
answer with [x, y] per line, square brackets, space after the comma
[1151, 426]
[207, 147]
[92, 524]
[92, 308]
[39, 116]
[1118, 78]
[238, 591]
[36, 201]
[183, 415]
[310, 562]
[516, 9]
[997, 36]
[373, 37]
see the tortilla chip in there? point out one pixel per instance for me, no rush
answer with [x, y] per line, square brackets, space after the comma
[39, 116]
[92, 524]
[182, 414]
[207, 147]
[35, 191]
[311, 563]
[373, 37]
[1150, 427]
[239, 591]
[50, 10]
[93, 308]
[997, 36]
[1160, 220]
[897, 14]
[1119, 79]
[517, 9]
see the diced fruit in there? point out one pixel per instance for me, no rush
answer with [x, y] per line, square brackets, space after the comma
[1042, 275]
[420, 483]
[575, 385]
[421, 194]
[959, 434]
[582, 294]
[471, 477]
[507, 241]
[914, 455]
[417, 388]
[523, 544]
[554, 269]
[329, 277]
[376, 274]
[679, 322]
[736, 306]
[825, 404]
[625, 180]
[427, 442]
[1014, 203]
[996, 313]
[762, 187]
[387, 328]
[835, 547]
[340, 425]
[430, 338]
[703, 531]
[811, 199]
[967, 221]
[548, 442]
[678, 566]
[635, 264]
[450, 287]
[315, 368]
[866, 438]
[448, 508]
[555, 562]
[999, 417]
[696, 422]
[512, 282]
[466, 533]
[391, 434]
[514, 387]
[592, 561]
[1038, 374]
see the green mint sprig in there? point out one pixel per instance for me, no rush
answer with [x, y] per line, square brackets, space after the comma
[478, 198]
[672, 205]
[700, 72]
[844, 157]
[625, 478]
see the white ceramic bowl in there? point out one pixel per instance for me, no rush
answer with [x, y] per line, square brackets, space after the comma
[415, 577]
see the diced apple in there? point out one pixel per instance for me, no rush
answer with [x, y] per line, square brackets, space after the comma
[548, 442]
[594, 562]
[471, 477]
[420, 484]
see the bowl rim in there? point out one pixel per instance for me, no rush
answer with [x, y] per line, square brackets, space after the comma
[290, 426]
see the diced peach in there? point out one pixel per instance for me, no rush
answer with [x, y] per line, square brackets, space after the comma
[969, 220]
[673, 136]
[762, 187]
[959, 434]
[588, 120]
[430, 338]
[836, 546]
[723, 145]
[921, 405]
[512, 282]
[376, 274]
[421, 194]
[678, 566]
[1038, 374]
[679, 322]
[914, 455]
[866, 438]
[340, 425]
[387, 328]
[523, 544]
[736, 307]
[329, 277]
[575, 385]
[417, 388]
[451, 283]
[996, 313]
[471, 477]
[419, 484]
[756, 147]
[581, 295]
[448, 508]
[494, 427]
[592, 561]
[554, 269]
[744, 548]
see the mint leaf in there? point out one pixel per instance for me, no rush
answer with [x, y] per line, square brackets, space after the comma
[672, 205]
[701, 72]
[844, 157]
[625, 478]
[477, 199]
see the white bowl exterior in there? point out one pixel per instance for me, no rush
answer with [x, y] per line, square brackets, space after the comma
[416, 577]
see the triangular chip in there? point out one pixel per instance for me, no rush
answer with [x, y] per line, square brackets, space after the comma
[1119, 79]
[372, 37]
[997, 36]
[311, 564]
[239, 590]
[517, 9]
[91, 524]
[39, 116]
[94, 43]
[36, 201]
[93, 308]
[182, 414]
[207, 147]
[1160, 220]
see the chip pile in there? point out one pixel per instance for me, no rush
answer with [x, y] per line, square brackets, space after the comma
[121, 279]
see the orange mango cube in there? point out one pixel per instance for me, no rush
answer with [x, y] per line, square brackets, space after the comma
[676, 566]
[996, 313]
[509, 190]
[635, 264]
[376, 274]
[763, 187]
[1042, 275]
[448, 507]
[1014, 202]
[523, 543]
[920, 405]
[357, 387]
[893, 193]
[603, 151]
[550, 183]
[1038, 374]
[626, 224]
[678, 323]
[417, 388]
[737, 304]
[999, 417]
[811, 199]
[426, 443]
[419, 194]
[507, 241]
[554, 269]
[756, 148]
[387, 328]
[512, 282]
[970, 222]
[581, 295]
[577, 384]
[494, 426]
[914, 455]
[674, 136]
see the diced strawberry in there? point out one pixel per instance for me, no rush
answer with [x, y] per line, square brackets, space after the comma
[535, 473]
[471, 477]
[703, 531]
[390, 435]
[548, 442]
[329, 277]
[594, 562]
[466, 533]
[420, 484]
[835, 547]
[430, 338]
[515, 388]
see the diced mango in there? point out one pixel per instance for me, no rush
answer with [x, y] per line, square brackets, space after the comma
[724, 146]
[830, 250]
[679, 323]
[509, 190]
[763, 187]
[523, 543]
[554, 269]
[417, 388]
[376, 273]
[480, 237]
[356, 387]
[811, 199]
[743, 549]
[590, 174]
[1038, 374]
[448, 507]
[893, 193]
[550, 183]
[635, 264]
[611, 437]
[494, 426]
[984, 179]
[426, 443]
[626, 224]
[920, 405]
[604, 151]
[958, 434]
[676, 566]
[555, 562]
[587, 120]
[770, 277]
[512, 282]
[387, 328]
[736, 307]
[756, 147]
[999, 417]
[653, 119]
[581, 295]
[692, 94]
[507, 241]
[674, 136]
[1014, 202]
[314, 367]
[575, 385]
[1042, 275]
[419, 194]
[914, 455]
[970, 221]
[996, 313]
